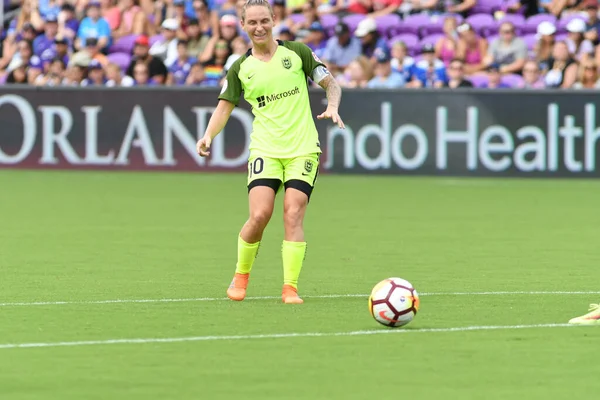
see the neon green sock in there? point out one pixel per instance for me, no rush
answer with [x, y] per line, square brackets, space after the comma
[246, 255]
[293, 255]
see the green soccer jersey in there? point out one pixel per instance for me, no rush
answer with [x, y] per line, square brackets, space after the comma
[277, 90]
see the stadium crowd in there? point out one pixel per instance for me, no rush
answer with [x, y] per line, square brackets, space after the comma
[365, 43]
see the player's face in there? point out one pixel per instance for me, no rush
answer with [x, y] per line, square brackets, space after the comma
[258, 24]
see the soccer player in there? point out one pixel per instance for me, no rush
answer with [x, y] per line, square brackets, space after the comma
[284, 146]
[591, 318]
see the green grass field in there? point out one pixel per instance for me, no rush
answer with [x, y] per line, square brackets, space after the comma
[86, 238]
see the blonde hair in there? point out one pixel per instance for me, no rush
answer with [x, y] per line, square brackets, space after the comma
[251, 3]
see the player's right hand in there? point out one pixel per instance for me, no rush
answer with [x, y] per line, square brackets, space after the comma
[203, 145]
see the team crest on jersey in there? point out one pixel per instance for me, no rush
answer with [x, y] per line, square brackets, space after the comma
[287, 62]
[308, 166]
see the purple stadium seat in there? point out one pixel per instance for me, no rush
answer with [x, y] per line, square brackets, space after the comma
[512, 80]
[121, 59]
[486, 6]
[530, 41]
[481, 23]
[436, 23]
[532, 22]
[353, 20]
[388, 25]
[414, 24]
[430, 39]
[479, 80]
[3, 79]
[123, 45]
[517, 20]
[491, 38]
[411, 41]
[297, 18]
[329, 22]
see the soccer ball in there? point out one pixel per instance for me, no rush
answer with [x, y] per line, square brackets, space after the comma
[394, 302]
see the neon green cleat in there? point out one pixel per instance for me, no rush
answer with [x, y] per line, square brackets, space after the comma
[591, 318]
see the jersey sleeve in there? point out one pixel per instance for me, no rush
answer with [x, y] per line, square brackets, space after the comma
[232, 88]
[310, 61]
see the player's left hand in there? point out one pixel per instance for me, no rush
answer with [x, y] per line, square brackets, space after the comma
[332, 114]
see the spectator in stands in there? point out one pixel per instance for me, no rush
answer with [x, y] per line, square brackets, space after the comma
[385, 77]
[286, 34]
[55, 74]
[76, 72]
[295, 6]
[180, 69]
[341, 49]
[401, 61]
[429, 71]
[60, 50]
[95, 76]
[579, 47]
[562, 68]
[545, 43]
[587, 77]
[456, 75]
[92, 47]
[17, 73]
[316, 38]
[357, 74]
[197, 41]
[239, 48]
[93, 26]
[333, 6]
[131, 19]
[592, 26]
[508, 51]
[165, 48]
[214, 68]
[33, 64]
[208, 19]
[446, 46]
[157, 69]
[457, 7]
[280, 14]
[366, 31]
[141, 75]
[374, 8]
[228, 28]
[180, 16]
[68, 24]
[472, 49]
[301, 28]
[229, 7]
[494, 76]
[46, 40]
[197, 77]
[115, 78]
[532, 78]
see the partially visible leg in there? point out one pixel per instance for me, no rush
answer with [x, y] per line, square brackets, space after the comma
[264, 180]
[262, 201]
[303, 172]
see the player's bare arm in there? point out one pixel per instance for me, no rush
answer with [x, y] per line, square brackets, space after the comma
[215, 125]
[334, 97]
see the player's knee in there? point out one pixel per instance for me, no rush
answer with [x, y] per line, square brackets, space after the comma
[260, 218]
[293, 214]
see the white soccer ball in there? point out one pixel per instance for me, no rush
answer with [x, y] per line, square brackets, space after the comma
[394, 302]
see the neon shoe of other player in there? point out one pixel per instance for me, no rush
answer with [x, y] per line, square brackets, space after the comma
[591, 318]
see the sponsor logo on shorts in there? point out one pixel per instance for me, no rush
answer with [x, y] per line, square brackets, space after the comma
[263, 100]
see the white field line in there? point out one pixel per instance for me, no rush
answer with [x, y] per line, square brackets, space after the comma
[325, 296]
[277, 336]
